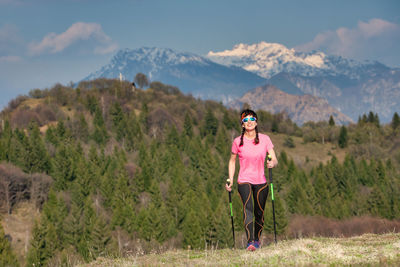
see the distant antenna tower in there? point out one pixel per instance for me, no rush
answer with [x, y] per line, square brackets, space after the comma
[120, 77]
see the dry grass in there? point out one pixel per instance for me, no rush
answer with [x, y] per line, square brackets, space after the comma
[368, 249]
[307, 155]
[19, 226]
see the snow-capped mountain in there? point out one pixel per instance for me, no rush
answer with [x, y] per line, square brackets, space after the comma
[353, 87]
[152, 59]
[191, 73]
[269, 59]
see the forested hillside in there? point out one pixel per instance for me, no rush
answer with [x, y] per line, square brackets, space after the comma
[116, 170]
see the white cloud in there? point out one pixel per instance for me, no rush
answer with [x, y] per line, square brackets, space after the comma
[78, 33]
[376, 39]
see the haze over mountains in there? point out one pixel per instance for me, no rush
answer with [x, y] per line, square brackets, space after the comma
[350, 87]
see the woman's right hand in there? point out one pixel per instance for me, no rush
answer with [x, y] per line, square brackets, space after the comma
[228, 185]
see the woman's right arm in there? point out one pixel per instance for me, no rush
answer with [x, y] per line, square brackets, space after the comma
[231, 169]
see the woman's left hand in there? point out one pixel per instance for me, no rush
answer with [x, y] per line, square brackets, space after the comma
[274, 161]
[270, 164]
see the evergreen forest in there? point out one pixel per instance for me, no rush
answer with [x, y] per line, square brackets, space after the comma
[116, 170]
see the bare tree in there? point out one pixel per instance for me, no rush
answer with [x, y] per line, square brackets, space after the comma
[141, 80]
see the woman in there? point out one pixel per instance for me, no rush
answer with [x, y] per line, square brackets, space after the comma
[252, 148]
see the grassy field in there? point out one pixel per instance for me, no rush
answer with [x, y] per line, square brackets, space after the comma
[307, 155]
[365, 250]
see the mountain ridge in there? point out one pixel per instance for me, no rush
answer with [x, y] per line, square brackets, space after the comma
[351, 87]
[191, 73]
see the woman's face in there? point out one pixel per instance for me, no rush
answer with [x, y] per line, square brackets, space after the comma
[249, 123]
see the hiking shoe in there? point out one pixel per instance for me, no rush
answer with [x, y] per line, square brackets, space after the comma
[256, 244]
[250, 246]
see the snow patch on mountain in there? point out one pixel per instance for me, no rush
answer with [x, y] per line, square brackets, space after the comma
[269, 59]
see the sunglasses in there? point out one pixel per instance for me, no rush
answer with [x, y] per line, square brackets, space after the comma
[247, 119]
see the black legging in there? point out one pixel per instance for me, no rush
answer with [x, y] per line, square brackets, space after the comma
[260, 194]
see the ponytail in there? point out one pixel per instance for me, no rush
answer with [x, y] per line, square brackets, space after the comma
[241, 137]
[256, 140]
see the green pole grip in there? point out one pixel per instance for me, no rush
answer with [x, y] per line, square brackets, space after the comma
[272, 191]
[230, 205]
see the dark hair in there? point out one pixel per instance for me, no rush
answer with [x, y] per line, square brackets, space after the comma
[244, 114]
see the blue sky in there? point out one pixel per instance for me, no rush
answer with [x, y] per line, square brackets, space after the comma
[43, 42]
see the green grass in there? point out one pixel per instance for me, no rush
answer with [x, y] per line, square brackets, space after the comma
[365, 250]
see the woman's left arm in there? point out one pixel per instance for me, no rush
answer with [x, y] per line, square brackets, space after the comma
[274, 161]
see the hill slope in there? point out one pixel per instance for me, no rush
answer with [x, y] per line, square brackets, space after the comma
[123, 162]
[300, 108]
[368, 249]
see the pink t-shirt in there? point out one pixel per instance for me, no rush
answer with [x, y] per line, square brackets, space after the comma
[252, 158]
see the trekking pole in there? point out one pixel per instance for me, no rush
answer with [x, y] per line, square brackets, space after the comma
[230, 205]
[272, 197]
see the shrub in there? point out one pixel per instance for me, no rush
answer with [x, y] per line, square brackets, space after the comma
[14, 103]
[289, 142]
[306, 226]
[22, 117]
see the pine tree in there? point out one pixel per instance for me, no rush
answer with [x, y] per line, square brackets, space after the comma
[18, 149]
[123, 204]
[297, 200]
[331, 121]
[378, 204]
[188, 126]
[83, 129]
[100, 135]
[219, 233]
[229, 122]
[5, 141]
[343, 139]
[192, 232]
[55, 211]
[221, 142]
[42, 246]
[101, 243]
[322, 194]
[64, 167]
[395, 121]
[281, 219]
[62, 133]
[165, 224]
[145, 228]
[92, 104]
[119, 121]
[210, 126]
[172, 137]
[38, 158]
[51, 135]
[348, 179]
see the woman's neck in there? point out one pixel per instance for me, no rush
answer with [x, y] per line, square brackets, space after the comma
[250, 134]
